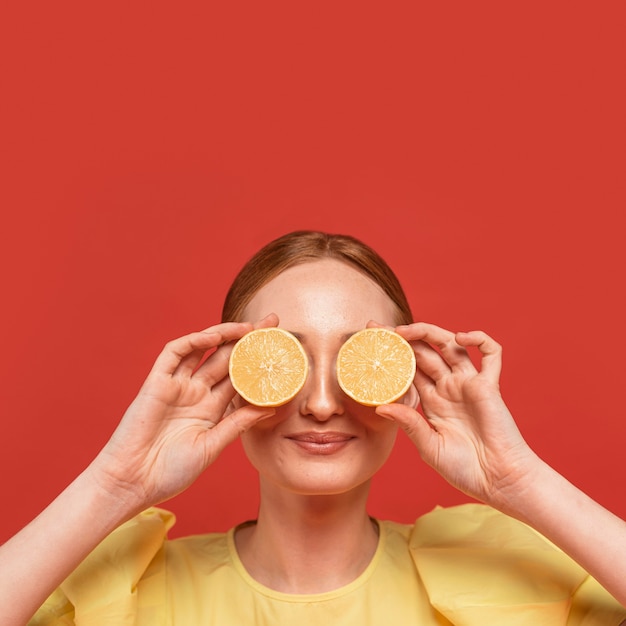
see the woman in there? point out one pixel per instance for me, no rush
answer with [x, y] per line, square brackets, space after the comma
[314, 556]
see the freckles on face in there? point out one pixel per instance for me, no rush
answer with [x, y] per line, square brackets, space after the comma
[323, 303]
[288, 456]
[323, 297]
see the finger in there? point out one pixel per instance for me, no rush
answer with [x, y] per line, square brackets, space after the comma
[267, 321]
[418, 429]
[455, 355]
[178, 349]
[423, 383]
[192, 361]
[429, 361]
[223, 390]
[234, 425]
[228, 331]
[491, 351]
[214, 368]
[375, 324]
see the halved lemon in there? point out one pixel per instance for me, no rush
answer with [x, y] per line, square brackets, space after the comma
[375, 366]
[268, 366]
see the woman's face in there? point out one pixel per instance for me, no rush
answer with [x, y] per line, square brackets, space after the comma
[321, 442]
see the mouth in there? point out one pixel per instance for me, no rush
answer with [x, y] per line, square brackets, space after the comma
[315, 442]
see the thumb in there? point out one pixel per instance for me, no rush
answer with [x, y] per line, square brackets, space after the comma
[417, 428]
[235, 424]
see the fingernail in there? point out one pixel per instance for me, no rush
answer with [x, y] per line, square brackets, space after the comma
[381, 412]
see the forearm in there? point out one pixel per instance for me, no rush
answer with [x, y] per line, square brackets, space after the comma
[590, 534]
[37, 559]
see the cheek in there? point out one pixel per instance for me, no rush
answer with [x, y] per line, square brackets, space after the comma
[382, 435]
[252, 444]
[257, 440]
[380, 432]
[387, 438]
[378, 427]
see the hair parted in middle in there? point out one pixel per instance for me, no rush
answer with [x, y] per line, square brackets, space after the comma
[305, 246]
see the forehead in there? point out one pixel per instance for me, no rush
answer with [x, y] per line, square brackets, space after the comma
[322, 293]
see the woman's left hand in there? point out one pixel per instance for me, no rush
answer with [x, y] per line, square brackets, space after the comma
[468, 434]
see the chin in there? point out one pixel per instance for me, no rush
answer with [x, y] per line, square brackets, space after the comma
[335, 485]
[318, 475]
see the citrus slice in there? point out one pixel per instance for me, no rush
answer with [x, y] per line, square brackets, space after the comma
[268, 366]
[375, 366]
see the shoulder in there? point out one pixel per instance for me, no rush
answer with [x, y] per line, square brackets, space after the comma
[464, 529]
[472, 524]
[501, 566]
[106, 580]
[483, 542]
[466, 525]
[202, 553]
[121, 558]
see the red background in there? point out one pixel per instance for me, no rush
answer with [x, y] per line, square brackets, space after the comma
[149, 148]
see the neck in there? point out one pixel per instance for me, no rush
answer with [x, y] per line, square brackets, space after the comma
[308, 544]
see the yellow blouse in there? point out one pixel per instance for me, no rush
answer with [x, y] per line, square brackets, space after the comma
[467, 565]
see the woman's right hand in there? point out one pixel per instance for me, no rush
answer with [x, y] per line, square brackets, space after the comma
[178, 424]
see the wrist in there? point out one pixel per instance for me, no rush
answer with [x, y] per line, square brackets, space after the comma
[113, 491]
[517, 490]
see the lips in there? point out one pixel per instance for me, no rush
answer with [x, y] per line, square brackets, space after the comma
[316, 442]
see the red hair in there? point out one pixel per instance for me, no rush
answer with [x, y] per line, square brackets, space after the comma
[305, 246]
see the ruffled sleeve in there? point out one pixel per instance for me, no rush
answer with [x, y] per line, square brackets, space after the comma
[481, 567]
[102, 590]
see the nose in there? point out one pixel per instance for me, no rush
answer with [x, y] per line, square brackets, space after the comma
[322, 397]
